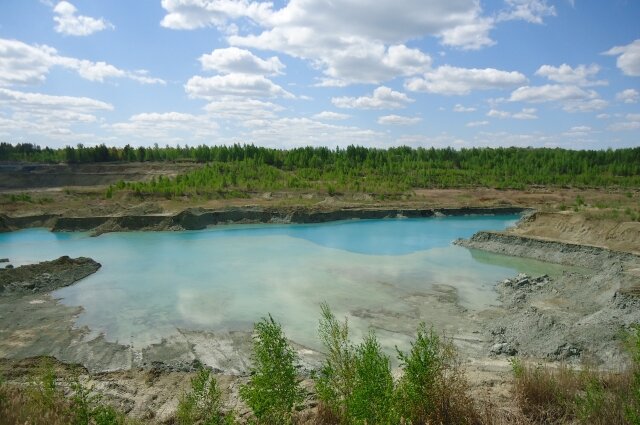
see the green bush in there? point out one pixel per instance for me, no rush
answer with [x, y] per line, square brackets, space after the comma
[433, 388]
[632, 408]
[202, 404]
[371, 401]
[334, 384]
[273, 391]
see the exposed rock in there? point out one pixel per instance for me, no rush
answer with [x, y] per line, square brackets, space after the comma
[45, 276]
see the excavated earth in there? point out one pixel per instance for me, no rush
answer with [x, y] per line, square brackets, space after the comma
[578, 316]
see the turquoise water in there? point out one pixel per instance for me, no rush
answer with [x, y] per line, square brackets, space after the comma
[226, 278]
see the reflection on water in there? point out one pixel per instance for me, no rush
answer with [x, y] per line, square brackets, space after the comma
[226, 278]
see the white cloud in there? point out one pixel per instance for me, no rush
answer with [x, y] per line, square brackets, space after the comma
[192, 14]
[628, 58]
[532, 11]
[525, 114]
[330, 115]
[549, 93]
[449, 80]
[589, 105]
[18, 99]
[578, 131]
[234, 85]
[477, 123]
[21, 63]
[296, 132]
[233, 60]
[471, 36]
[382, 98]
[69, 23]
[355, 41]
[398, 120]
[581, 75]
[628, 96]
[343, 61]
[572, 98]
[165, 127]
[47, 116]
[632, 122]
[461, 108]
[237, 108]
[603, 116]
[494, 113]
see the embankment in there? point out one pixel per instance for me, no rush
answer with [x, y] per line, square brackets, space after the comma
[198, 218]
[582, 314]
[560, 252]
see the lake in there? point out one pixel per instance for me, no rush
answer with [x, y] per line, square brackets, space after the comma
[225, 278]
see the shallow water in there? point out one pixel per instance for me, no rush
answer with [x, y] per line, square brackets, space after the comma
[226, 278]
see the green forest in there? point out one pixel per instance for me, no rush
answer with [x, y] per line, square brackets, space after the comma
[237, 169]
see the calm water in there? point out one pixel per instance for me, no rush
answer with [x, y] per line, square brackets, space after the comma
[152, 283]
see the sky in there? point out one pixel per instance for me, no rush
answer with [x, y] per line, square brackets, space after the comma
[283, 74]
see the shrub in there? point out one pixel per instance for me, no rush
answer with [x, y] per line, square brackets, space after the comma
[632, 407]
[371, 401]
[564, 395]
[335, 382]
[433, 388]
[202, 404]
[273, 391]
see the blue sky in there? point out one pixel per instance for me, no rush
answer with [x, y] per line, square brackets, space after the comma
[458, 73]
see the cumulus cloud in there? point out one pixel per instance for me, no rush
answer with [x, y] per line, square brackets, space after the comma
[477, 123]
[234, 85]
[330, 115]
[165, 127]
[549, 93]
[237, 108]
[449, 80]
[588, 105]
[461, 108]
[582, 75]
[532, 11]
[48, 116]
[22, 63]
[628, 58]
[525, 114]
[632, 122]
[357, 42]
[192, 14]
[234, 60]
[68, 22]
[628, 96]
[398, 120]
[573, 98]
[297, 132]
[382, 98]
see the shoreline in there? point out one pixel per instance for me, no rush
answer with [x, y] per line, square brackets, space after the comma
[201, 218]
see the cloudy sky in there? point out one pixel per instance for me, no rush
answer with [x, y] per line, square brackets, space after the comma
[458, 73]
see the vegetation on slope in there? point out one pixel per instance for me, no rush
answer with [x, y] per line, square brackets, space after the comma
[355, 169]
[355, 387]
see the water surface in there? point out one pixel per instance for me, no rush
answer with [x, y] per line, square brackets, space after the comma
[226, 278]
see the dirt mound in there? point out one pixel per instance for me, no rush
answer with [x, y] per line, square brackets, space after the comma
[45, 276]
[581, 229]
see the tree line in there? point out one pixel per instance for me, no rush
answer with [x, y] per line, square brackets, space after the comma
[354, 168]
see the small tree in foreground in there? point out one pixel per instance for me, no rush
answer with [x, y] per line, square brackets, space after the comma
[273, 391]
[202, 404]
